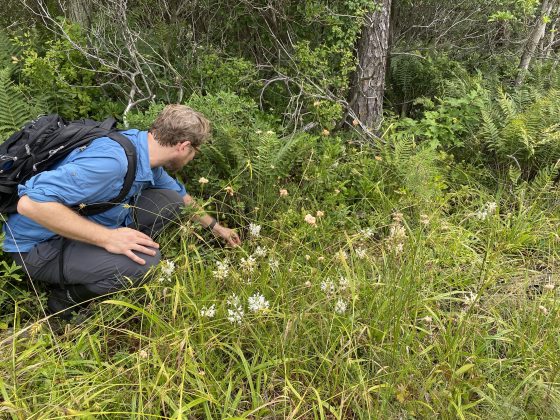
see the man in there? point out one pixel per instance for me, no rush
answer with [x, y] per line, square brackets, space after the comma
[81, 258]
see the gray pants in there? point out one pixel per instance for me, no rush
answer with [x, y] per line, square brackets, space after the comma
[91, 271]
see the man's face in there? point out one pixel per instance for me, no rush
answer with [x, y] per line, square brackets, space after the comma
[184, 155]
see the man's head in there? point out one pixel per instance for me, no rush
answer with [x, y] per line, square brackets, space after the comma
[182, 129]
[179, 123]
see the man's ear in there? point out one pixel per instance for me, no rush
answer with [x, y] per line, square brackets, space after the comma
[183, 145]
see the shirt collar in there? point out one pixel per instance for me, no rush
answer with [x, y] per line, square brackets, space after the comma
[143, 169]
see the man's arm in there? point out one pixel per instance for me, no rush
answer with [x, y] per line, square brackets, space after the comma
[229, 235]
[65, 222]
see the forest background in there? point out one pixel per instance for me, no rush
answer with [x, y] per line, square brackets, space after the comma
[390, 165]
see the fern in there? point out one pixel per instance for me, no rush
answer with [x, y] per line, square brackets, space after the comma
[14, 109]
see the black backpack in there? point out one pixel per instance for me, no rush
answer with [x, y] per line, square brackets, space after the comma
[45, 141]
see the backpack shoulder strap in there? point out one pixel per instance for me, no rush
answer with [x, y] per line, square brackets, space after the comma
[131, 156]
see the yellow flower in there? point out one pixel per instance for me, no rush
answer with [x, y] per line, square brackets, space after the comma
[283, 192]
[229, 190]
[320, 213]
[325, 132]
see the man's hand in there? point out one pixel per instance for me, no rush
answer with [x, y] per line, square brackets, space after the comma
[125, 240]
[229, 235]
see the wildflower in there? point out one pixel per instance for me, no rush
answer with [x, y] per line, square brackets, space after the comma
[235, 315]
[470, 299]
[143, 354]
[366, 233]
[307, 284]
[360, 253]
[254, 230]
[307, 257]
[310, 219]
[343, 283]
[258, 303]
[342, 255]
[327, 286]
[229, 190]
[355, 122]
[222, 271]
[273, 263]
[316, 103]
[486, 210]
[427, 319]
[167, 269]
[321, 258]
[258, 132]
[549, 286]
[543, 310]
[233, 300]
[270, 132]
[248, 264]
[378, 158]
[320, 213]
[424, 219]
[340, 306]
[203, 180]
[397, 217]
[336, 191]
[208, 312]
[325, 132]
[260, 252]
[283, 192]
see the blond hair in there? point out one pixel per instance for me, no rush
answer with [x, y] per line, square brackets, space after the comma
[179, 123]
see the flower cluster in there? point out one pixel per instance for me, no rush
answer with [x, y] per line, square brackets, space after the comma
[486, 210]
[208, 312]
[248, 264]
[254, 230]
[258, 303]
[397, 234]
[222, 270]
[167, 269]
[235, 310]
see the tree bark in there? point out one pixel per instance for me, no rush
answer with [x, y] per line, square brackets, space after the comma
[366, 94]
[534, 38]
[79, 11]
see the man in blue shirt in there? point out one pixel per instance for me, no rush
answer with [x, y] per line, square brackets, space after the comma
[81, 258]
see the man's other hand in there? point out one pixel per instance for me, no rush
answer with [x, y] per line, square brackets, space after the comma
[229, 235]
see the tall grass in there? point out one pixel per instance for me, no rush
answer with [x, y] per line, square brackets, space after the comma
[405, 299]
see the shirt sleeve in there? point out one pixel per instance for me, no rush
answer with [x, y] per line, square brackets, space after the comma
[162, 180]
[91, 176]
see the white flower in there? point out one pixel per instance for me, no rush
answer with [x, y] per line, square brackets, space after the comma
[397, 232]
[320, 213]
[366, 233]
[254, 230]
[143, 354]
[424, 219]
[208, 312]
[361, 253]
[260, 252]
[307, 257]
[310, 219]
[273, 263]
[283, 192]
[486, 210]
[270, 132]
[258, 303]
[203, 180]
[340, 306]
[343, 283]
[235, 315]
[258, 132]
[233, 300]
[327, 286]
[248, 264]
[167, 269]
[470, 299]
[222, 271]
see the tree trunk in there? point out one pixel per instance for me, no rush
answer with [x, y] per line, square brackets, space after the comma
[534, 38]
[78, 11]
[369, 79]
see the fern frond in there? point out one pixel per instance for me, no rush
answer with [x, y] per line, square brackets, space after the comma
[14, 110]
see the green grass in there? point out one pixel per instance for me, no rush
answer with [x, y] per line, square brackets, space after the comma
[462, 322]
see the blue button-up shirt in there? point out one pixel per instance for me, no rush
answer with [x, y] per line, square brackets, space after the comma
[87, 175]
